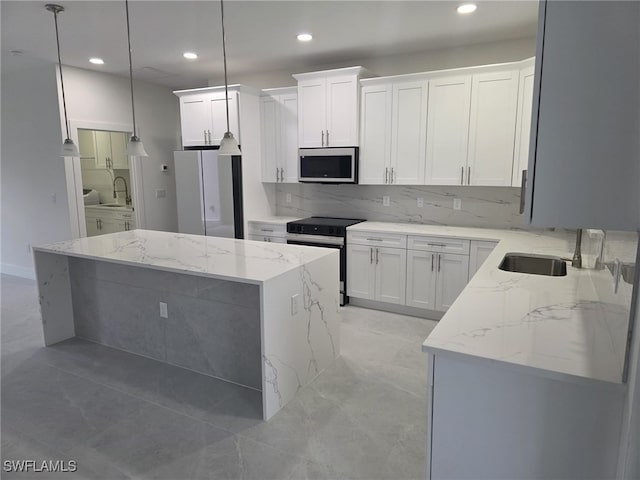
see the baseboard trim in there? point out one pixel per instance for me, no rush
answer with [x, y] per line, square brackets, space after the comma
[393, 308]
[18, 271]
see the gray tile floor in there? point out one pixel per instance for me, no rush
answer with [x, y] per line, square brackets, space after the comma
[123, 416]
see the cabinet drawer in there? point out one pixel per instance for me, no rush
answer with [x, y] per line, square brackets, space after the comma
[377, 239]
[268, 229]
[439, 244]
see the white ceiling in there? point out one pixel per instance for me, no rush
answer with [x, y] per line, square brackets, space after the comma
[260, 34]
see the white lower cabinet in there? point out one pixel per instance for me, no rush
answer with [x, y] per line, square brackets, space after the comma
[267, 238]
[100, 221]
[376, 273]
[479, 251]
[267, 232]
[434, 280]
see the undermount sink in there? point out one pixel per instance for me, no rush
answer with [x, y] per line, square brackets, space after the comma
[534, 264]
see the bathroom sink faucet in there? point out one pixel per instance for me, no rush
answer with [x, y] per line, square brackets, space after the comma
[127, 198]
[576, 261]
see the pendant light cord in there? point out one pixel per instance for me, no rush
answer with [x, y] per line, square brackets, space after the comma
[224, 59]
[64, 100]
[133, 108]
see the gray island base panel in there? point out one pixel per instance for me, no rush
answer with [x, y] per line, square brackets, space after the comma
[274, 335]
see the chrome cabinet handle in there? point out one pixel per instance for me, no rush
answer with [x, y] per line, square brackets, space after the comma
[523, 190]
[617, 271]
[462, 175]
[432, 255]
[323, 138]
[205, 136]
[209, 133]
[282, 174]
[374, 239]
[265, 230]
[377, 252]
[468, 175]
[386, 175]
[278, 174]
[371, 255]
[437, 244]
[439, 258]
[327, 138]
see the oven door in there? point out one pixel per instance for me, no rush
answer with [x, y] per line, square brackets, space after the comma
[325, 242]
[329, 165]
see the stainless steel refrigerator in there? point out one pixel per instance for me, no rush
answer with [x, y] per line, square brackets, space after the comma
[209, 193]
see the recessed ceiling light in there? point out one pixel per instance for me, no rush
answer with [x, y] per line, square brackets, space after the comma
[96, 61]
[305, 37]
[467, 8]
[190, 55]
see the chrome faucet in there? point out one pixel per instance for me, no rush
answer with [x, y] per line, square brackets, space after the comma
[127, 198]
[576, 261]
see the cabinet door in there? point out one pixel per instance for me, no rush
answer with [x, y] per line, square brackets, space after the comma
[312, 112]
[86, 143]
[375, 134]
[342, 111]
[269, 109]
[479, 252]
[103, 149]
[289, 138]
[492, 128]
[584, 171]
[523, 127]
[408, 133]
[119, 150]
[448, 130]
[219, 117]
[195, 119]
[110, 225]
[360, 272]
[453, 275]
[421, 279]
[391, 274]
[93, 228]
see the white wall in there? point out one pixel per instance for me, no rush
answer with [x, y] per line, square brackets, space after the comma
[32, 170]
[100, 98]
[437, 59]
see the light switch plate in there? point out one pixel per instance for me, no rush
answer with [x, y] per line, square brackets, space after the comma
[386, 201]
[457, 204]
[294, 304]
[420, 202]
[163, 310]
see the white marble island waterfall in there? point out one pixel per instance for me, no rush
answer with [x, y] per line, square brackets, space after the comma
[262, 315]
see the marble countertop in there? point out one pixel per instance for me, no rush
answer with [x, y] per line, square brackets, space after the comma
[243, 261]
[563, 327]
[120, 208]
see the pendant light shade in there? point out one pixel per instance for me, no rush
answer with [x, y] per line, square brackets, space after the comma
[135, 146]
[69, 149]
[228, 144]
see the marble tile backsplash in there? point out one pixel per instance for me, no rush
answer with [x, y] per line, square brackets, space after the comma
[495, 207]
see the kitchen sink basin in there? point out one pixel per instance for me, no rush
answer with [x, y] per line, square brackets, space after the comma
[534, 264]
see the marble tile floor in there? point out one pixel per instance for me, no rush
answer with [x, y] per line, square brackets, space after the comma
[123, 416]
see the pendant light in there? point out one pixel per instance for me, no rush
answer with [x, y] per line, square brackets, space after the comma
[135, 146]
[69, 149]
[228, 144]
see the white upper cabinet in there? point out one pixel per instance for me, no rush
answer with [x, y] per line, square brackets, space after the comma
[492, 127]
[279, 123]
[408, 133]
[375, 134]
[584, 167]
[328, 108]
[119, 157]
[203, 116]
[393, 133]
[448, 130]
[523, 127]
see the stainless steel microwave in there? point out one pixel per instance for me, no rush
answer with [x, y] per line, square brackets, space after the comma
[329, 165]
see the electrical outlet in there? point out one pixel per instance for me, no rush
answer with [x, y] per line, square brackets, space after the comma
[420, 202]
[163, 310]
[28, 248]
[164, 168]
[457, 204]
[288, 198]
[386, 201]
[161, 193]
[294, 304]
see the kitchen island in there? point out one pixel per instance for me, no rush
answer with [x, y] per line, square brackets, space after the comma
[257, 314]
